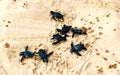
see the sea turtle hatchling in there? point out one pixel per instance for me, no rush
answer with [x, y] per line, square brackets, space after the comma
[43, 55]
[77, 48]
[77, 31]
[58, 38]
[26, 54]
[65, 29]
[57, 16]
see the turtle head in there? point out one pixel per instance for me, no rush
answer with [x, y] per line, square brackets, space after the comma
[52, 12]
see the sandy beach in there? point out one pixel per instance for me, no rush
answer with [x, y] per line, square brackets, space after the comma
[28, 22]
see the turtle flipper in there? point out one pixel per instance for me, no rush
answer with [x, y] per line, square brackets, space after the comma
[50, 54]
[62, 19]
[26, 48]
[56, 42]
[59, 30]
[85, 33]
[45, 60]
[54, 18]
[73, 35]
[22, 58]
[85, 48]
[72, 44]
[78, 53]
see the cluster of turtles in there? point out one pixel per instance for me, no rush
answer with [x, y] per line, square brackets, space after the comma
[42, 53]
[60, 36]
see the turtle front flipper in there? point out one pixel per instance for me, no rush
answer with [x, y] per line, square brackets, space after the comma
[21, 53]
[72, 44]
[50, 54]
[73, 35]
[59, 30]
[26, 48]
[72, 47]
[54, 18]
[22, 58]
[85, 48]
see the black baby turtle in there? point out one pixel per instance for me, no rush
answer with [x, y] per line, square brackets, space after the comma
[77, 48]
[77, 31]
[58, 38]
[65, 29]
[43, 55]
[26, 54]
[57, 16]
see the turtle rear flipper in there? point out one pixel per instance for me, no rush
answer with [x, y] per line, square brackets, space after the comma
[84, 33]
[62, 19]
[55, 42]
[78, 53]
[45, 60]
[64, 39]
[54, 18]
